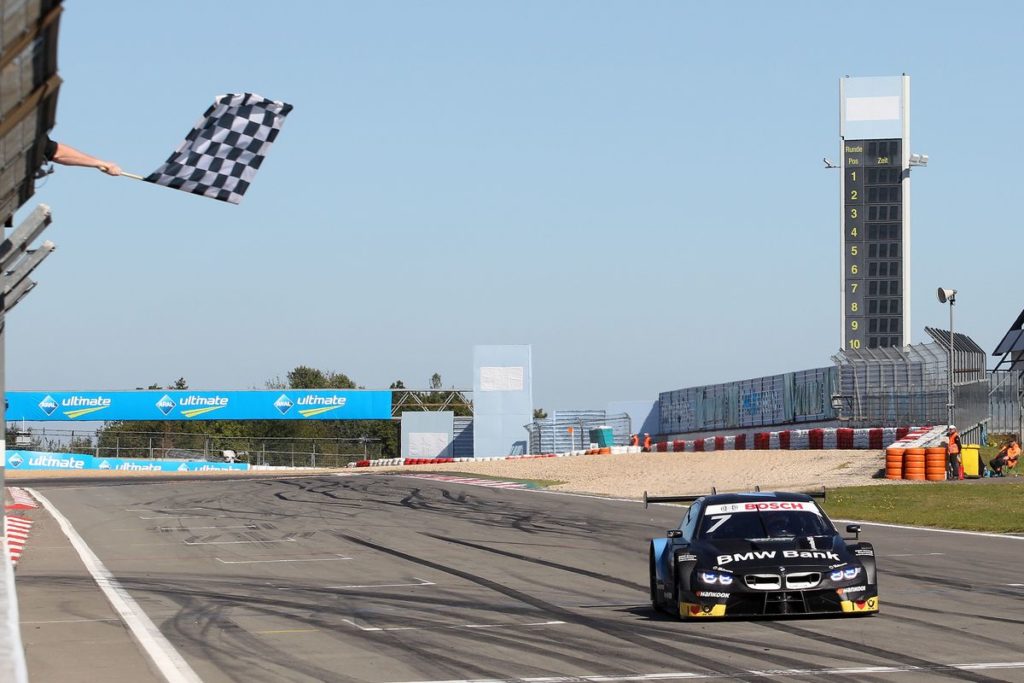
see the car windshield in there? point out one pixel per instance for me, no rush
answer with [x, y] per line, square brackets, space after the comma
[750, 524]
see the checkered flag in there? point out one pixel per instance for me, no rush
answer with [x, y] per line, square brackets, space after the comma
[220, 156]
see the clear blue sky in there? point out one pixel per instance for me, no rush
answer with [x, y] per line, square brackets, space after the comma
[634, 188]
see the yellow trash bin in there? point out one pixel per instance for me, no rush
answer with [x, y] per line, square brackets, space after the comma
[971, 457]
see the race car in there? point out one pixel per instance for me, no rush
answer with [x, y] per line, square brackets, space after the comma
[760, 553]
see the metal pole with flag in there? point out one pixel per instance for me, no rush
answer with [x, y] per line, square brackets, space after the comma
[221, 154]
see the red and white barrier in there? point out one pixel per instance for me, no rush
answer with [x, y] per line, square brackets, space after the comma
[787, 439]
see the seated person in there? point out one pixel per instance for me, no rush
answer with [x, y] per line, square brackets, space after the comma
[1007, 458]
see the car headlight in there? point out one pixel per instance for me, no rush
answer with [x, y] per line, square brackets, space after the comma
[712, 577]
[844, 574]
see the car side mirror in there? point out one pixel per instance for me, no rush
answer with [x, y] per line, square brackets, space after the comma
[853, 529]
[674, 533]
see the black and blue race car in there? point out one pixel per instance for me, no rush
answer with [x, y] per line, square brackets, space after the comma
[760, 553]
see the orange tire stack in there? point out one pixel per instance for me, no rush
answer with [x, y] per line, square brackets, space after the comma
[913, 464]
[935, 464]
[894, 463]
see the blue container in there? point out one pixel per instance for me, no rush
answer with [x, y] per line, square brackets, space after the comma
[602, 436]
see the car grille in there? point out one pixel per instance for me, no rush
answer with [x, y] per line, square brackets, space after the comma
[763, 582]
[772, 582]
[801, 580]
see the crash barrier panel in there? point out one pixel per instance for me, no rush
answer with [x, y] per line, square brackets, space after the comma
[894, 463]
[970, 455]
[39, 460]
[935, 464]
[914, 464]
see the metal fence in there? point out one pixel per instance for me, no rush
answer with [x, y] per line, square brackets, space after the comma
[788, 398]
[297, 452]
[1004, 405]
[551, 434]
[891, 387]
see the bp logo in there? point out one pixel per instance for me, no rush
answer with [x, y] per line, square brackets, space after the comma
[166, 404]
[283, 404]
[15, 460]
[48, 405]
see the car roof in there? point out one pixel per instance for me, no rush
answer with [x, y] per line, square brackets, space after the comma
[755, 497]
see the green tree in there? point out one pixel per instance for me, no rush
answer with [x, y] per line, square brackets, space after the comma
[539, 414]
[304, 377]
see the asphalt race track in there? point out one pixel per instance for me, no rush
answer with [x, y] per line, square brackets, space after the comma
[392, 579]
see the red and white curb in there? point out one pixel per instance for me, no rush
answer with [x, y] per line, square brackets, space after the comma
[472, 481]
[23, 500]
[17, 529]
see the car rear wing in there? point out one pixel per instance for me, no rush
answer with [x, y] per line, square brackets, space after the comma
[670, 499]
[689, 499]
[817, 494]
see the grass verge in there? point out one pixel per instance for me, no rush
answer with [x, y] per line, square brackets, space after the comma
[978, 507]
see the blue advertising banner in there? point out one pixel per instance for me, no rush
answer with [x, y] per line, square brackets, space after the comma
[37, 460]
[303, 404]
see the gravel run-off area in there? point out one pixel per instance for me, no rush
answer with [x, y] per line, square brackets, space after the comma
[627, 476]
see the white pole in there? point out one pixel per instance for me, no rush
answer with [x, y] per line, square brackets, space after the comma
[949, 405]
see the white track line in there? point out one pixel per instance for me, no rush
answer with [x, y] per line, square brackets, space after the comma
[317, 559]
[959, 532]
[912, 554]
[387, 585]
[453, 626]
[754, 673]
[165, 658]
[282, 540]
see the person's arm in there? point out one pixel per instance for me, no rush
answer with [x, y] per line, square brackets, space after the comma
[69, 156]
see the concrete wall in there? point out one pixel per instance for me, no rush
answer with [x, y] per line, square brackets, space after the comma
[427, 434]
[502, 399]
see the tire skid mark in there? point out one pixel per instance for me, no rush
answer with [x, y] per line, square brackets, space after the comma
[544, 563]
[204, 625]
[956, 585]
[940, 627]
[727, 646]
[864, 648]
[933, 610]
[619, 631]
